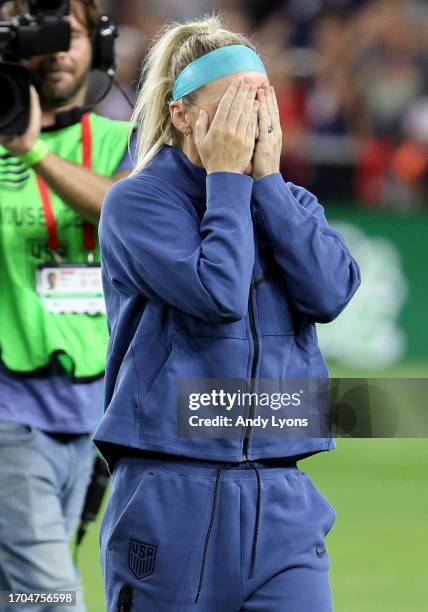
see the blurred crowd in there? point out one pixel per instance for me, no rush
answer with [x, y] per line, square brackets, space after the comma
[351, 80]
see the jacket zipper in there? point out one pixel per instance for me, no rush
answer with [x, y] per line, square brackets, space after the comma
[254, 336]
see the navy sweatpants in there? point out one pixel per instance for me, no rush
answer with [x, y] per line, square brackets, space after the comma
[182, 534]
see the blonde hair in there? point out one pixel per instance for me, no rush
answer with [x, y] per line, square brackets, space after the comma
[175, 46]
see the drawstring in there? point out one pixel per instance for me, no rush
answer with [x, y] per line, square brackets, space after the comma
[213, 509]
[258, 508]
[207, 539]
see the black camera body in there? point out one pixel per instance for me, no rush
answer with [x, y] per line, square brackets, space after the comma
[40, 32]
[43, 30]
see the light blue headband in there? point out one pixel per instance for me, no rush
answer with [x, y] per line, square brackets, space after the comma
[214, 65]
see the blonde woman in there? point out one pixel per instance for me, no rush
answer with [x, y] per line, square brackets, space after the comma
[214, 267]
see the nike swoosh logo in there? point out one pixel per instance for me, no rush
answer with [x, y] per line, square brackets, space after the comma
[320, 550]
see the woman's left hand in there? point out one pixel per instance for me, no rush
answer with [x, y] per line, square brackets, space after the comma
[267, 151]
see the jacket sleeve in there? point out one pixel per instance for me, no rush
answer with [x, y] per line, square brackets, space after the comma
[319, 270]
[153, 243]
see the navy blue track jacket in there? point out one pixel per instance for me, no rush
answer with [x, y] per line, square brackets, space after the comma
[212, 276]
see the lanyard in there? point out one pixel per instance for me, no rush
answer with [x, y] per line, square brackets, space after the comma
[89, 240]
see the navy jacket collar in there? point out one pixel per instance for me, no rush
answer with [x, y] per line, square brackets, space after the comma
[171, 164]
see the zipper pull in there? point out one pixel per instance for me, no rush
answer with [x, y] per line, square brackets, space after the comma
[124, 603]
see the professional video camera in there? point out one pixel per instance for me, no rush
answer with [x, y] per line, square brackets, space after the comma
[42, 31]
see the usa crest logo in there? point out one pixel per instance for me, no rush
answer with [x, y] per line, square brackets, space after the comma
[142, 558]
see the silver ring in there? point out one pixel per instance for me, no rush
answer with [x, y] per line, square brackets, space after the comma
[270, 129]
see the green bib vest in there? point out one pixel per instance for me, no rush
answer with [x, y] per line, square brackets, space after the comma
[30, 336]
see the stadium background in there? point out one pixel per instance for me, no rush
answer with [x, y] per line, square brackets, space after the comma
[352, 83]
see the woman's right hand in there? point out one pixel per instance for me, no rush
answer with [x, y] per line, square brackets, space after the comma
[228, 144]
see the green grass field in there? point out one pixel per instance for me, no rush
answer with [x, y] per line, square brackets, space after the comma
[379, 543]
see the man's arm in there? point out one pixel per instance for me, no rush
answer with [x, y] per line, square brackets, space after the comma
[79, 187]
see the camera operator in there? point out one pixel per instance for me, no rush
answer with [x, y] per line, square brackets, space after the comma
[53, 335]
